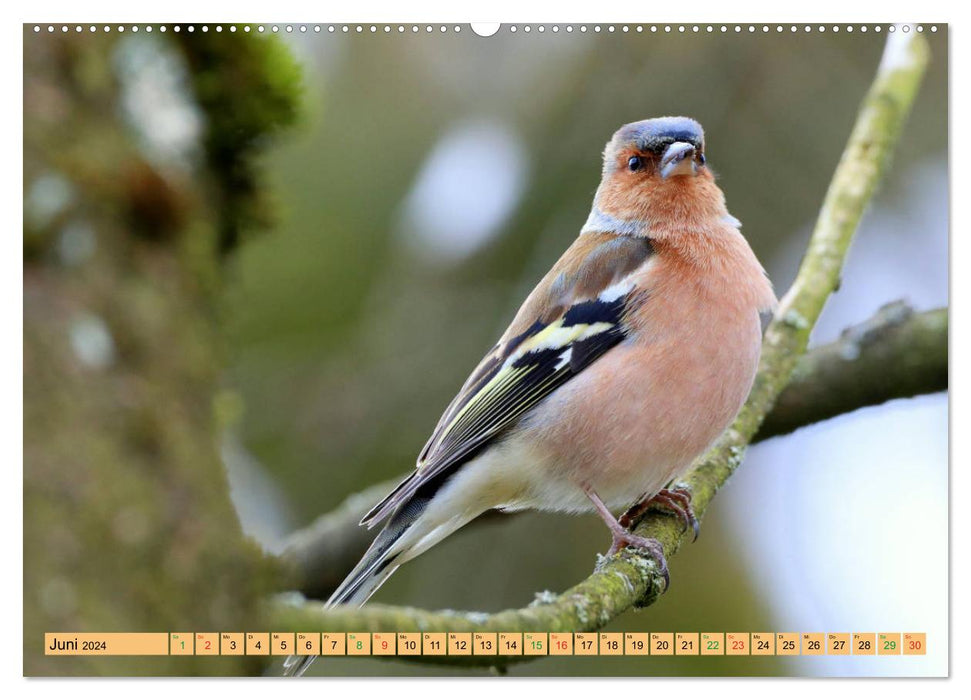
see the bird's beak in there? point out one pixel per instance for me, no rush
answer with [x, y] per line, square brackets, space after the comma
[678, 159]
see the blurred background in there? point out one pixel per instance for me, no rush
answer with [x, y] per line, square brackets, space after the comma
[429, 181]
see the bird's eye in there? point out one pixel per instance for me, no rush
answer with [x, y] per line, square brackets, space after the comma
[701, 158]
[635, 164]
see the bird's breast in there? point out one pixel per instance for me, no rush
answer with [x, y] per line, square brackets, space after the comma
[642, 413]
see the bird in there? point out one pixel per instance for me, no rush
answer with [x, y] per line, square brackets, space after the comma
[624, 364]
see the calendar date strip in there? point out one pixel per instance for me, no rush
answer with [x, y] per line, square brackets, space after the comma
[486, 648]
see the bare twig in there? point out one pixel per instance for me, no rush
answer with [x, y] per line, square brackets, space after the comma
[895, 354]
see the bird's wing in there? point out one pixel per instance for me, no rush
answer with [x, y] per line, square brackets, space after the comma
[575, 314]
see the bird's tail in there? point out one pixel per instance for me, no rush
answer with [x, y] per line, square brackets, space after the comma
[383, 557]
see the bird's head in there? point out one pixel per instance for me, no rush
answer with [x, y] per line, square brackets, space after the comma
[654, 150]
[652, 166]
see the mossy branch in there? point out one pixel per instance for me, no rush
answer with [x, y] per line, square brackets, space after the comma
[631, 578]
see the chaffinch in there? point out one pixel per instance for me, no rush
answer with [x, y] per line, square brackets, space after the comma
[623, 365]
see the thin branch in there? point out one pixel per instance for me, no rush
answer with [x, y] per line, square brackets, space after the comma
[631, 578]
[895, 354]
[320, 555]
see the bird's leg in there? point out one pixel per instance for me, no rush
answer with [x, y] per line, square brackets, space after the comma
[622, 537]
[634, 512]
[676, 500]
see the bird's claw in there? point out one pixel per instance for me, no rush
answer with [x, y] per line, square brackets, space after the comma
[676, 500]
[622, 537]
[650, 545]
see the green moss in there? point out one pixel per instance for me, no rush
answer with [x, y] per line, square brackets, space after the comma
[248, 87]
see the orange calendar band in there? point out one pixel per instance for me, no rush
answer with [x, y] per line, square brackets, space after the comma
[486, 643]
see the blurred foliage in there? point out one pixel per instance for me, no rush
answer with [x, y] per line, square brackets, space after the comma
[128, 525]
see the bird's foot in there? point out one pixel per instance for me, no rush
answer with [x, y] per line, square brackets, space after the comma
[624, 538]
[676, 500]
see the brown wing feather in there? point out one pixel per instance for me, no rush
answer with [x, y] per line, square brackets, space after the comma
[593, 263]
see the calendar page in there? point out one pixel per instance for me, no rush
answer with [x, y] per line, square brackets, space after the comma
[592, 349]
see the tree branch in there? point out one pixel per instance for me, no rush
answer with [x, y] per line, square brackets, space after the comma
[631, 578]
[895, 354]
